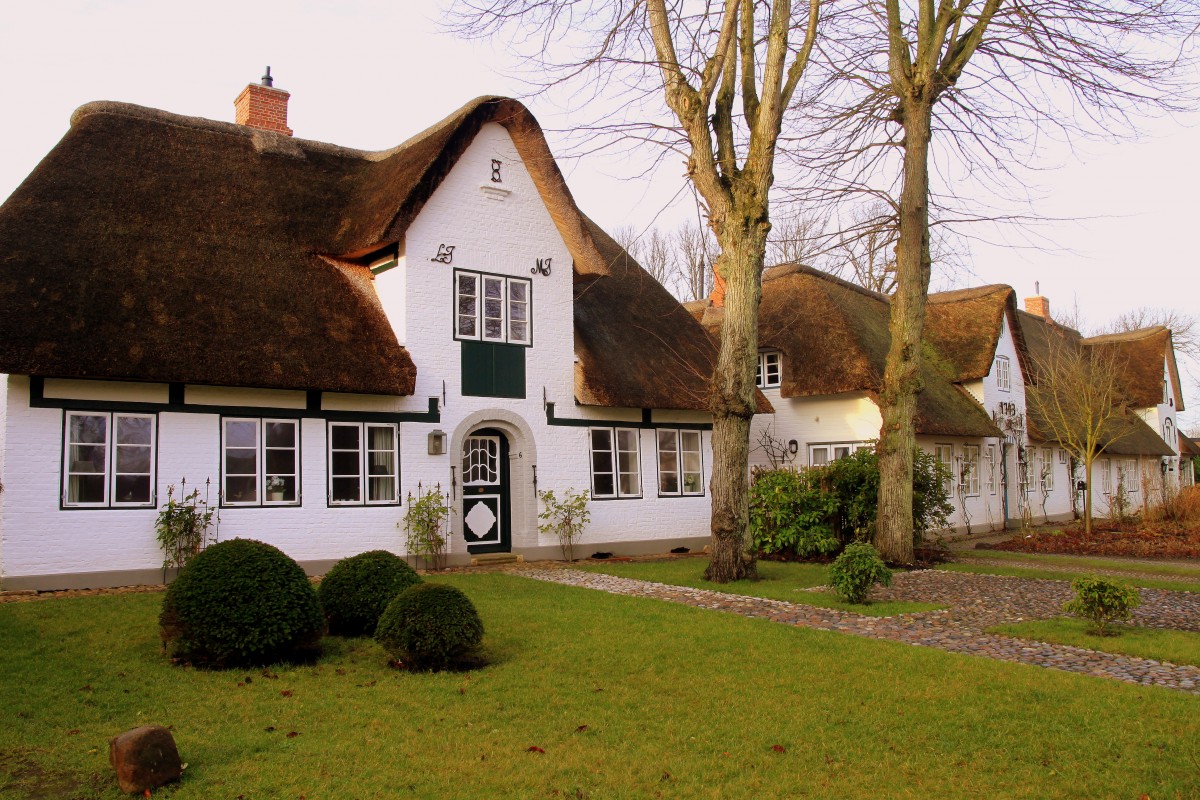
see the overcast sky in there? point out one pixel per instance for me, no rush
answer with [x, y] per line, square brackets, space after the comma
[368, 74]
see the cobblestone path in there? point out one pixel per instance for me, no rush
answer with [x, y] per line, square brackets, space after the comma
[1127, 575]
[976, 603]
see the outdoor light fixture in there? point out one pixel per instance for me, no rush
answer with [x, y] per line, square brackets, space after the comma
[793, 446]
[437, 443]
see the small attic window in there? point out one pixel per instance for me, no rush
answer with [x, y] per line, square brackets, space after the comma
[1003, 374]
[770, 369]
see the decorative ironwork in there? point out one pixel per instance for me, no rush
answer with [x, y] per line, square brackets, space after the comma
[445, 254]
[542, 268]
[496, 171]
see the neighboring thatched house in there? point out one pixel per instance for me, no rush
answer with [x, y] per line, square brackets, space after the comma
[823, 343]
[311, 334]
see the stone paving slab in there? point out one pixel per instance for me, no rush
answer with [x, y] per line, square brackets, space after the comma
[978, 602]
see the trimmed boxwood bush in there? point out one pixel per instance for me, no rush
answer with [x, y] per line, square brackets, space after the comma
[238, 603]
[359, 588]
[856, 570]
[1102, 601]
[430, 626]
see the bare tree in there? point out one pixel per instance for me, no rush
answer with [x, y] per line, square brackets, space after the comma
[1077, 400]
[653, 250]
[796, 238]
[866, 250]
[1185, 328]
[695, 248]
[727, 72]
[985, 78]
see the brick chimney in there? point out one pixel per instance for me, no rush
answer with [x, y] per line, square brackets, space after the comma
[1039, 306]
[261, 105]
[717, 296]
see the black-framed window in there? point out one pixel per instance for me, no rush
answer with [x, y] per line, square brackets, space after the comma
[680, 462]
[260, 461]
[108, 460]
[616, 462]
[492, 308]
[364, 464]
[770, 369]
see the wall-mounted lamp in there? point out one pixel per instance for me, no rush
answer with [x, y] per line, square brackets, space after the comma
[437, 443]
[793, 446]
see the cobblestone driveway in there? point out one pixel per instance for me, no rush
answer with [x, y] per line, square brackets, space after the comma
[976, 602]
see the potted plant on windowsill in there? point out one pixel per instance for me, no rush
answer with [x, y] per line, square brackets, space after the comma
[275, 489]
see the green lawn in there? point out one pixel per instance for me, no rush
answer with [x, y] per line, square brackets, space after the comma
[1178, 647]
[1147, 566]
[777, 581]
[1059, 575]
[678, 702]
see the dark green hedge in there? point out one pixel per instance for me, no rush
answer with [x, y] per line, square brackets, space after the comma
[430, 626]
[358, 589]
[241, 602]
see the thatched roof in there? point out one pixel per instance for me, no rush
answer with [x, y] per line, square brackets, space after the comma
[1188, 447]
[964, 328]
[152, 246]
[834, 336]
[1144, 352]
[1138, 438]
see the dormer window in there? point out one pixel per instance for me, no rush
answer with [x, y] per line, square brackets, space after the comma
[770, 369]
[1003, 374]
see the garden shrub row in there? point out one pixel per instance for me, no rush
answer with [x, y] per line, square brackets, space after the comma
[242, 602]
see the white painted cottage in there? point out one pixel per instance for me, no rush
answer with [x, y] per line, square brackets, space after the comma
[313, 331]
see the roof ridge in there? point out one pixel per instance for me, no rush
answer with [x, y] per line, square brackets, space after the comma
[1127, 336]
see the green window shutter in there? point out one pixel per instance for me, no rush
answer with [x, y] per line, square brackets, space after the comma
[493, 370]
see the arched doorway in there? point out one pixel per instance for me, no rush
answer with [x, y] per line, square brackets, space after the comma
[486, 492]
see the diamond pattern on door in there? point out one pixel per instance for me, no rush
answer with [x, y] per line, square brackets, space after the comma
[481, 519]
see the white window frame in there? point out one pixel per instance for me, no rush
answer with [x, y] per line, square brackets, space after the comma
[991, 465]
[1132, 474]
[260, 464]
[111, 446]
[480, 280]
[364, 452]
[614, 451]
[769, 361]
[1003, 374]
[1046, 469]
[679, 436]
[944, 453]
[1106, 484]
[830, 449]
[970, 461]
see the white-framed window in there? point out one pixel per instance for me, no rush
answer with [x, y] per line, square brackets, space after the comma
[1106, 484]
[108, 460]
[1003, 374]
[260, 462]
[991, 469]
[1046, 469]
[680, 463]
[969, 479]
[363, 464]
[616, 462]
[492, 308]
[1131, 475]
[1062, 456]
[821, 454]
[770, 369]
[945, 457]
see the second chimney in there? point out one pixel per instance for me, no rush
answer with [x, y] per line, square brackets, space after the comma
[1039, 306]
[261, 105]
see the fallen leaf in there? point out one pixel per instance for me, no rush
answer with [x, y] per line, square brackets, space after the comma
[286, 693]
[146, 793]
[778, 748]
[85, 688]
[73, 731]
[666, 776]
[293, 734]
[340, 671]
[581, 729]
[249, 679]
[269, 728]
[533, 748]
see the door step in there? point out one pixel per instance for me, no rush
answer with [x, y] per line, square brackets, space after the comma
[489, 559]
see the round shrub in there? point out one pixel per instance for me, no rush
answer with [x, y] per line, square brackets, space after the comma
[430, 626]
[1102, 601]
[856, 570]
[238, 603]
[359, 588]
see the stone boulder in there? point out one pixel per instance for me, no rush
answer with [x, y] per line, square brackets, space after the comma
[144, 758]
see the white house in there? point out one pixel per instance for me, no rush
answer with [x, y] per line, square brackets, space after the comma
[312, 333]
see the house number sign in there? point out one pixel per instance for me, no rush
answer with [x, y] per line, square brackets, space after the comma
[445, 254]
[496, 171]
[542, 268]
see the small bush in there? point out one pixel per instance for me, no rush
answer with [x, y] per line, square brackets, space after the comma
[1102, 601]
[358, 589]
[565, 518]
[791, 514]
[241, 602]
[856, 570]
[430, 626]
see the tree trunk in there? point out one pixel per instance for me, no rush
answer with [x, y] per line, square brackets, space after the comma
[902, 372]
[1087, 499]
[743, 246]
